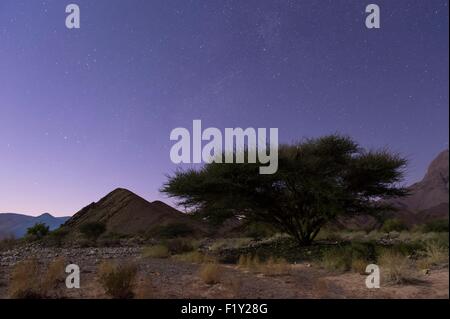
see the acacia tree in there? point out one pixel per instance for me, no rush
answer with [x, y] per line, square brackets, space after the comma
[317, 181]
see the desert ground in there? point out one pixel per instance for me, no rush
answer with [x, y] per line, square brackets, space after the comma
[170, 277]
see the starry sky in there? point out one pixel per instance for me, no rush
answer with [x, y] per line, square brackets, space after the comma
[85, 111]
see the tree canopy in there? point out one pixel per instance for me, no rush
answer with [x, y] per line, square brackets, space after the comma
[317, 181]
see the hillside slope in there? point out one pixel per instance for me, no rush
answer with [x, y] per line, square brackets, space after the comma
[429, 198]
[123, 212]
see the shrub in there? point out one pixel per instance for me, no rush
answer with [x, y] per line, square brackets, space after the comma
[438, 226]
[92, 230]
[55, 274]
[8, 243]
[193, 257]
[118, 281]
[156, 251]
[28, 282]
[210, 273]
[25, 280]
[179, 246]
[173, 230]
[56, 237]
[275, 267]
[230, 243]
[38, 231]
[393, 224]
[435, 254]
[339, 259]
[395, 267]
[359, 266]
[257, 230]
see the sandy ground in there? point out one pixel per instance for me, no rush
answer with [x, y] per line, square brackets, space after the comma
[167, 278]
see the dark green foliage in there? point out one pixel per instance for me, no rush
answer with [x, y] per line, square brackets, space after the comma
[179, 246]
[393, 224]
[56, 237]
[92, 230]
[317, 181]
[438, 226]
[38, 231]
[258, 230]
[173, 230]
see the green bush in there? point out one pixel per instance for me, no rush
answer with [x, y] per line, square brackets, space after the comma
[56, 237]
[393, 224]
[38, 231]
[438, 226]
[337, 259]
[259, 230]
[92, 230]
[173, 230]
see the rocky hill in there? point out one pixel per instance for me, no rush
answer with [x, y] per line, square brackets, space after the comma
[429, 198]
[123, 212]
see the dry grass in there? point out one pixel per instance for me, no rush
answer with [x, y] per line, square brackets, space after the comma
[359, 266]
[25, 281]
[435, 255]
[275, 267]
[230, 243]
[210, 273]
[29, 282]
[118, 281]
[194, 257]
[271, 267]
[156, 251]
[336, 260]
[55, 274]
[396, 268]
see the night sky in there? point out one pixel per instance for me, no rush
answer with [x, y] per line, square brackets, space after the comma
[85, 111]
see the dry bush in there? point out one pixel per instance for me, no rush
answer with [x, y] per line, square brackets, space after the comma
[118, 281]
[242, 262]
[230, 243]
[435, 254]
[359, 266]
[336, 260]
[180, 245]
[25, 281]
[29, 282]
[156, 251]
[271, 267]
[210, 273]
[55, 274]
[248, 261]
[275, 267]
[396, 268]
[195, 257]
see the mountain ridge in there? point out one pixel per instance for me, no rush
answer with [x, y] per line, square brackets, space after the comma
[15, 224]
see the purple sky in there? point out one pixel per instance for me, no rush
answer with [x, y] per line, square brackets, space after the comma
[85, 111]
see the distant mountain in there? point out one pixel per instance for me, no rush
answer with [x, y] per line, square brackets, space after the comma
[123, 212]
[429, 198]
[16, 224]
